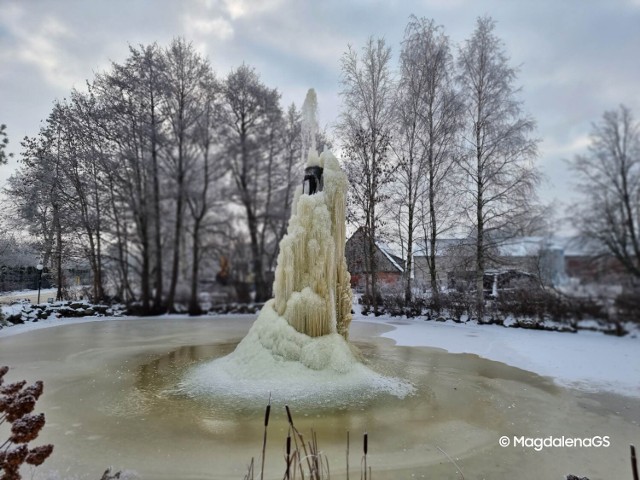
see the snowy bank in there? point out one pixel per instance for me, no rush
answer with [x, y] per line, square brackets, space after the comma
[589, 361]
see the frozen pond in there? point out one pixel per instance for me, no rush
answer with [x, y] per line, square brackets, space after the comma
[110, 399]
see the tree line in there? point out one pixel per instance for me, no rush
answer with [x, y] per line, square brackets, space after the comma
[157, 170]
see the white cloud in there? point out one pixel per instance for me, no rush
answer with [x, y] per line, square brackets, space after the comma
[217, 27]
[241, 8]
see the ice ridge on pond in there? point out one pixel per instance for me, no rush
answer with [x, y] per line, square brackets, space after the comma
[298, 349]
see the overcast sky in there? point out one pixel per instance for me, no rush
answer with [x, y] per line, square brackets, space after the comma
[577, 58]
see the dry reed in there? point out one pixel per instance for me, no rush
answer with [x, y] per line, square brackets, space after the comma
[303, 458]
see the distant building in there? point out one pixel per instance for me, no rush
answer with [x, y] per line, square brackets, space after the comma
[583, 262]
[551, 261]
[525, 257]
[390, 267]
[27, 277]
[452, 255]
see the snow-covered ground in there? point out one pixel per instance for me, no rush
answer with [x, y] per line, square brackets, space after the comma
[589, 361]
[30, 295]
[55, 322]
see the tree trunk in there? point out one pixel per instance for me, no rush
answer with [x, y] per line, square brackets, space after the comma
[59, 272]
[367, 265]
[411, 207]
[100, 284]
[176, 245]
[374, 266]
[144, 276]
[258, 276]
[435, 291]
[194, 304]
[480, 251]
[123, 270]
[94, 265]
[157, 301]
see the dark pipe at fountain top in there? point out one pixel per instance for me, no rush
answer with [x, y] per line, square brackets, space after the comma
[312, 180]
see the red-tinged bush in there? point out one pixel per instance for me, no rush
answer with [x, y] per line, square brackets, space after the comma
[17, 401]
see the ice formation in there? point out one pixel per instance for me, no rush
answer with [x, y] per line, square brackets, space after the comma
[275, 359]
[312, 284]
[298, 349]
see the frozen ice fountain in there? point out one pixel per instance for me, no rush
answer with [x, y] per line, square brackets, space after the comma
[297, 349]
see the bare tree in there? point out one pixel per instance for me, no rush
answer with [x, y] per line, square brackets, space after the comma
[79, 162]
[153, 88]
[608, 215]
[38, 189]
[428, 115]
[252, 114]
[203, 191]
[497, 148]
[365, 129]
[287, 175]
[185, 72]
[130, 95]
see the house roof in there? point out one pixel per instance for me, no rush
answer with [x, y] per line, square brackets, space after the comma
[527, 246]
[394, 259]
[442, 245]
[515, 247]
[577, 246]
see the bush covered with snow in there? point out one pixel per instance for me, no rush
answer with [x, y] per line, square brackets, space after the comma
[532, 308]
[627, 306]
[25, 312]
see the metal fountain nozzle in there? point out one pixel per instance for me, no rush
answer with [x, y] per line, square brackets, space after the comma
[312, 182]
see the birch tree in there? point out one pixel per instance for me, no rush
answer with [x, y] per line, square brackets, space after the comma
[365, 129]
[498, 150]
[428, 116]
